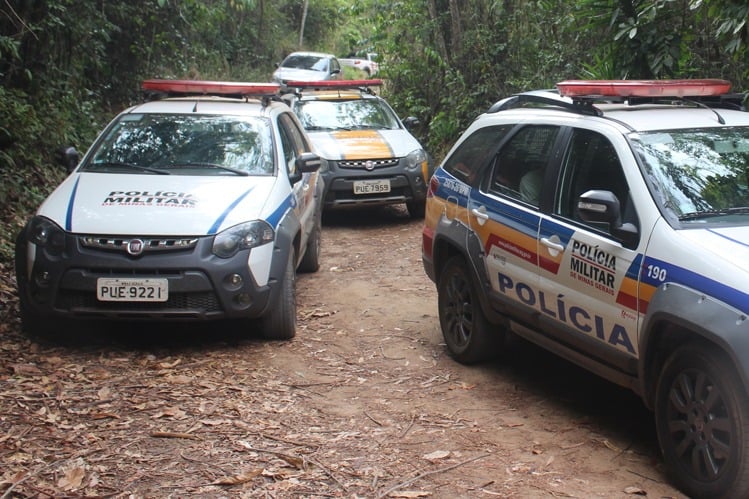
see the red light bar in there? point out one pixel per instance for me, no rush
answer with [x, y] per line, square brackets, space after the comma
[643, 88]
[335, 83]
[203, 87]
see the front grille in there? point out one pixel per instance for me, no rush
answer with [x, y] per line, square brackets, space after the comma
[84, 301]
[368, 164]
[137, 245]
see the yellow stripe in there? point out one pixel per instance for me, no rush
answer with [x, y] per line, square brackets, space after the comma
[362, 144]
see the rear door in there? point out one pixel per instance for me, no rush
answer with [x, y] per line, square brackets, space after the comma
[505, 213]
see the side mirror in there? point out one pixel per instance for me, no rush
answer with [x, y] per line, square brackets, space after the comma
[307, 162]
[597, 206]
[69, 158]
[411, 122]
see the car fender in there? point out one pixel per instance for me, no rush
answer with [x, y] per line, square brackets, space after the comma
[701, 315]
[454, 237]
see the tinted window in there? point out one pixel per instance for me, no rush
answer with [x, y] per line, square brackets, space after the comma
[591, 163]
[521, 163]
[473, 153]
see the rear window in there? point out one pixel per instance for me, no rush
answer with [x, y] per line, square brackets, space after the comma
[474, 153]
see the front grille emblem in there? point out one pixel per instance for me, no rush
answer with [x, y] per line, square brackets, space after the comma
[135, 247]
[369, 165]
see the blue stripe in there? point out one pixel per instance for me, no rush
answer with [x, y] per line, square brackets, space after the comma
[228, 210]
[710, 287]
[275, 218]
[71, 202]
[742, 243]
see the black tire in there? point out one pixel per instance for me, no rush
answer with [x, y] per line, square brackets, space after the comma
[469, 335]
[280, 322]
[311, 260]
[702, 421]
[416, 209]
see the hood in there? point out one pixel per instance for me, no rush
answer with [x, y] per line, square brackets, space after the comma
[296, 74]
[116, 204]
[364, 144]
[729, 244]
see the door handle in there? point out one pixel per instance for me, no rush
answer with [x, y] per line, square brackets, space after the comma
[554, 245]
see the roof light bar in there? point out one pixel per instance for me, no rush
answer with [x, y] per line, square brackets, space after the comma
[336, 84]
[643, 88]
[203, 87]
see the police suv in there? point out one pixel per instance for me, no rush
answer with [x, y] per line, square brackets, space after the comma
[198, 205]
[608, 221]
[369, 157]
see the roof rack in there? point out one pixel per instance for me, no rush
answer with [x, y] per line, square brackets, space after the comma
[186, 88]
[580, 96]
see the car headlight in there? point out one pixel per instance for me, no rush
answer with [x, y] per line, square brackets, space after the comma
[416, 159]
[248, 235]
[47, 234]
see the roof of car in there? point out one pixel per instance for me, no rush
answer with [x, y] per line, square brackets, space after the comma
[637, 105]
[315, 54]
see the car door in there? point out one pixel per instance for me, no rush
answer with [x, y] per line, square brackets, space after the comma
[505, 213]
[588, 278]
[294, 144]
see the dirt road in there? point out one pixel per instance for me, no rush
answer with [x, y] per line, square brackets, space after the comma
[364, 402]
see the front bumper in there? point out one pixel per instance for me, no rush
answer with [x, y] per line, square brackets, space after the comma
[200, 285]
[406, 185]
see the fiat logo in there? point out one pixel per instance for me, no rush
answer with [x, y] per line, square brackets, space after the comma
[135, 247]
[369, 165]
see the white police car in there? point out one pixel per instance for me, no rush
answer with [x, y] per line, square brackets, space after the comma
[197, 206]
[369, 157]
[608, 221]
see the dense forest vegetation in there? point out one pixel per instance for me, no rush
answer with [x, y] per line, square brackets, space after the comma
[68, 66]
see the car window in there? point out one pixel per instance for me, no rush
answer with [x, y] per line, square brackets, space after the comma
[521, 163]
[717, 191]
[591, 162]
[186, 144]
[292, 141]
[473, 153]
[345, 115]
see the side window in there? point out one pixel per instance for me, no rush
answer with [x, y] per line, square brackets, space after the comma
[591, 162]
[472, 155]
[292, 141]
[521, 163]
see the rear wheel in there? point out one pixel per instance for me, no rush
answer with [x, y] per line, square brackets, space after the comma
[280, 323]
[469, 335]
[702, 420]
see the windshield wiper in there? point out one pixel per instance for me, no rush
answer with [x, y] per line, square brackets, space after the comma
[155, 171]
[235, 171]
[697, 215]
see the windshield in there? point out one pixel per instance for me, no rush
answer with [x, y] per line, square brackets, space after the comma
[186, 145]
[346, 115]
[315, 63]
[700, 175]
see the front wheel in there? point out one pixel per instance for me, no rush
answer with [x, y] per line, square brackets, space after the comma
[280, 323]
[469, 335]
[416, 209]
[702, 421]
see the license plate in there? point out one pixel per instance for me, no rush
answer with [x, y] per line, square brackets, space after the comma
[371, 186]
[115, 289]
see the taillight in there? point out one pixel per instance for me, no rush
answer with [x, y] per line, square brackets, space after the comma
[434, 184]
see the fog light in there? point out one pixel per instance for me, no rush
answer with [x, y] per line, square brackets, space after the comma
[42, 279]
[235, 280]
[243, 299]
